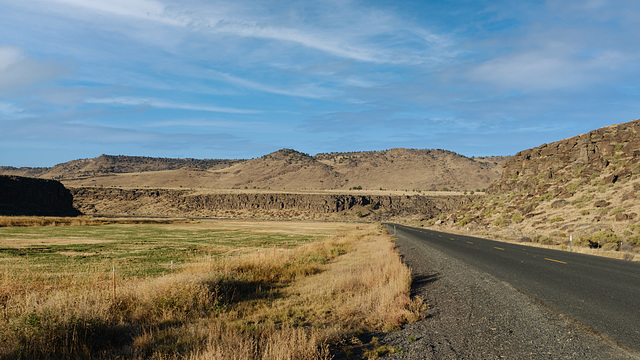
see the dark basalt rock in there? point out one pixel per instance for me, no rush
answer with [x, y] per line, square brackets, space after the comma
[186, 203]
[23, 196]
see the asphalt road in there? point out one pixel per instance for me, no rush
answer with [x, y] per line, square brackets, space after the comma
[601, 293]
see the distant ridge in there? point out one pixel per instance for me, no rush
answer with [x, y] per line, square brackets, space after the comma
[285, 169]
[114, 164]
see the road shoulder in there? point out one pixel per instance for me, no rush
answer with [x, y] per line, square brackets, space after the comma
[472, 315]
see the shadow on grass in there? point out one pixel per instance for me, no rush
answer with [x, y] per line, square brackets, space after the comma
[37, 336]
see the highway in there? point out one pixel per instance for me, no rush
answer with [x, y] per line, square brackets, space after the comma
[601, 293]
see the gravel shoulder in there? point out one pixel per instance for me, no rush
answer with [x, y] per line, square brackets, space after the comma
[472, 315]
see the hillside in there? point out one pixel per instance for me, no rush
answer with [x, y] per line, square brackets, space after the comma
[586, 186]
[110, 164]
[290, 170]
[414, 169]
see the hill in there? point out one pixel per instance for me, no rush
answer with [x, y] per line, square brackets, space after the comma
[585, 186]
[113, 164]
[414, 169]
[286, 169]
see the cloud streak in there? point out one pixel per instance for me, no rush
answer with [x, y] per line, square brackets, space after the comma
[160, 104]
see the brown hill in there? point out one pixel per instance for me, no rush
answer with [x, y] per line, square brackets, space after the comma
[114, 164]
[586, 186]
[290, 170]
[409, 169]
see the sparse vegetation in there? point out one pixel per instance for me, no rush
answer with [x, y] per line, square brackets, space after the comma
[225, 297]
[556, 219]
[517, 218]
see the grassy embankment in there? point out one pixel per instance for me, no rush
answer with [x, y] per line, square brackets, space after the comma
[239, 290]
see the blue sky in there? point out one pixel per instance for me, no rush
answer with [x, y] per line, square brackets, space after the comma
[240, 79]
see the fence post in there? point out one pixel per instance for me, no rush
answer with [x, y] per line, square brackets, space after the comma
[114, 284]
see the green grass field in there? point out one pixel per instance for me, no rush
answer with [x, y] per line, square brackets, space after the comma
[135, 250]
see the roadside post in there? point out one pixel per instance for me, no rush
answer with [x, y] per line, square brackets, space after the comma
[394, 230]
[571, 243]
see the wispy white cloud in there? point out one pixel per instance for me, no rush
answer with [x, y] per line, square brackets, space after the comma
[554, 65]
[10, 111]
[161, 104]
[310, 91]
[17, 70]
[348, 36]
[135, 9]
[214, 124]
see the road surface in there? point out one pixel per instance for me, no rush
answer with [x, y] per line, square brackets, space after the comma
[600, 296]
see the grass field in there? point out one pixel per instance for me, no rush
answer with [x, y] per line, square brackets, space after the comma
[136, 250]
[238, 290]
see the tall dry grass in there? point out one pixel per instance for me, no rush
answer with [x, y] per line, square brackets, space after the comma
[276, 304]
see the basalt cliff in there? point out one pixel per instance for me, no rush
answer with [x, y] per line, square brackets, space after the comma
[34, 197]
[586, 187]
[188, 203]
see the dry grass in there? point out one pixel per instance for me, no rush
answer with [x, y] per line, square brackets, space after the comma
[24, 221]
[285, 303]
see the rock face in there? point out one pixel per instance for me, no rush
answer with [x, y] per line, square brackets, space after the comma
[35, 197]
[614, 149]
[584, 187]
[165, 202]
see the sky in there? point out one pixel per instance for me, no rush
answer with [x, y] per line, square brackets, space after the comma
[241, 79]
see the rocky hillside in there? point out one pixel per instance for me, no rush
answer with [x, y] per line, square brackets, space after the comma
[586, 186]
[110, 164]
[188, 203]
[37, 197]
[395, 169]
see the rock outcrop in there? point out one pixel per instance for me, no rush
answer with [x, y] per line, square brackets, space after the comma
[166, 202]
[586, 186]
[34, 197]
[614, 149]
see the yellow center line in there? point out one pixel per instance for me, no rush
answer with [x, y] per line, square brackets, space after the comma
[495, 247]
[469, 242]
[451, 239]
[558, 261]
